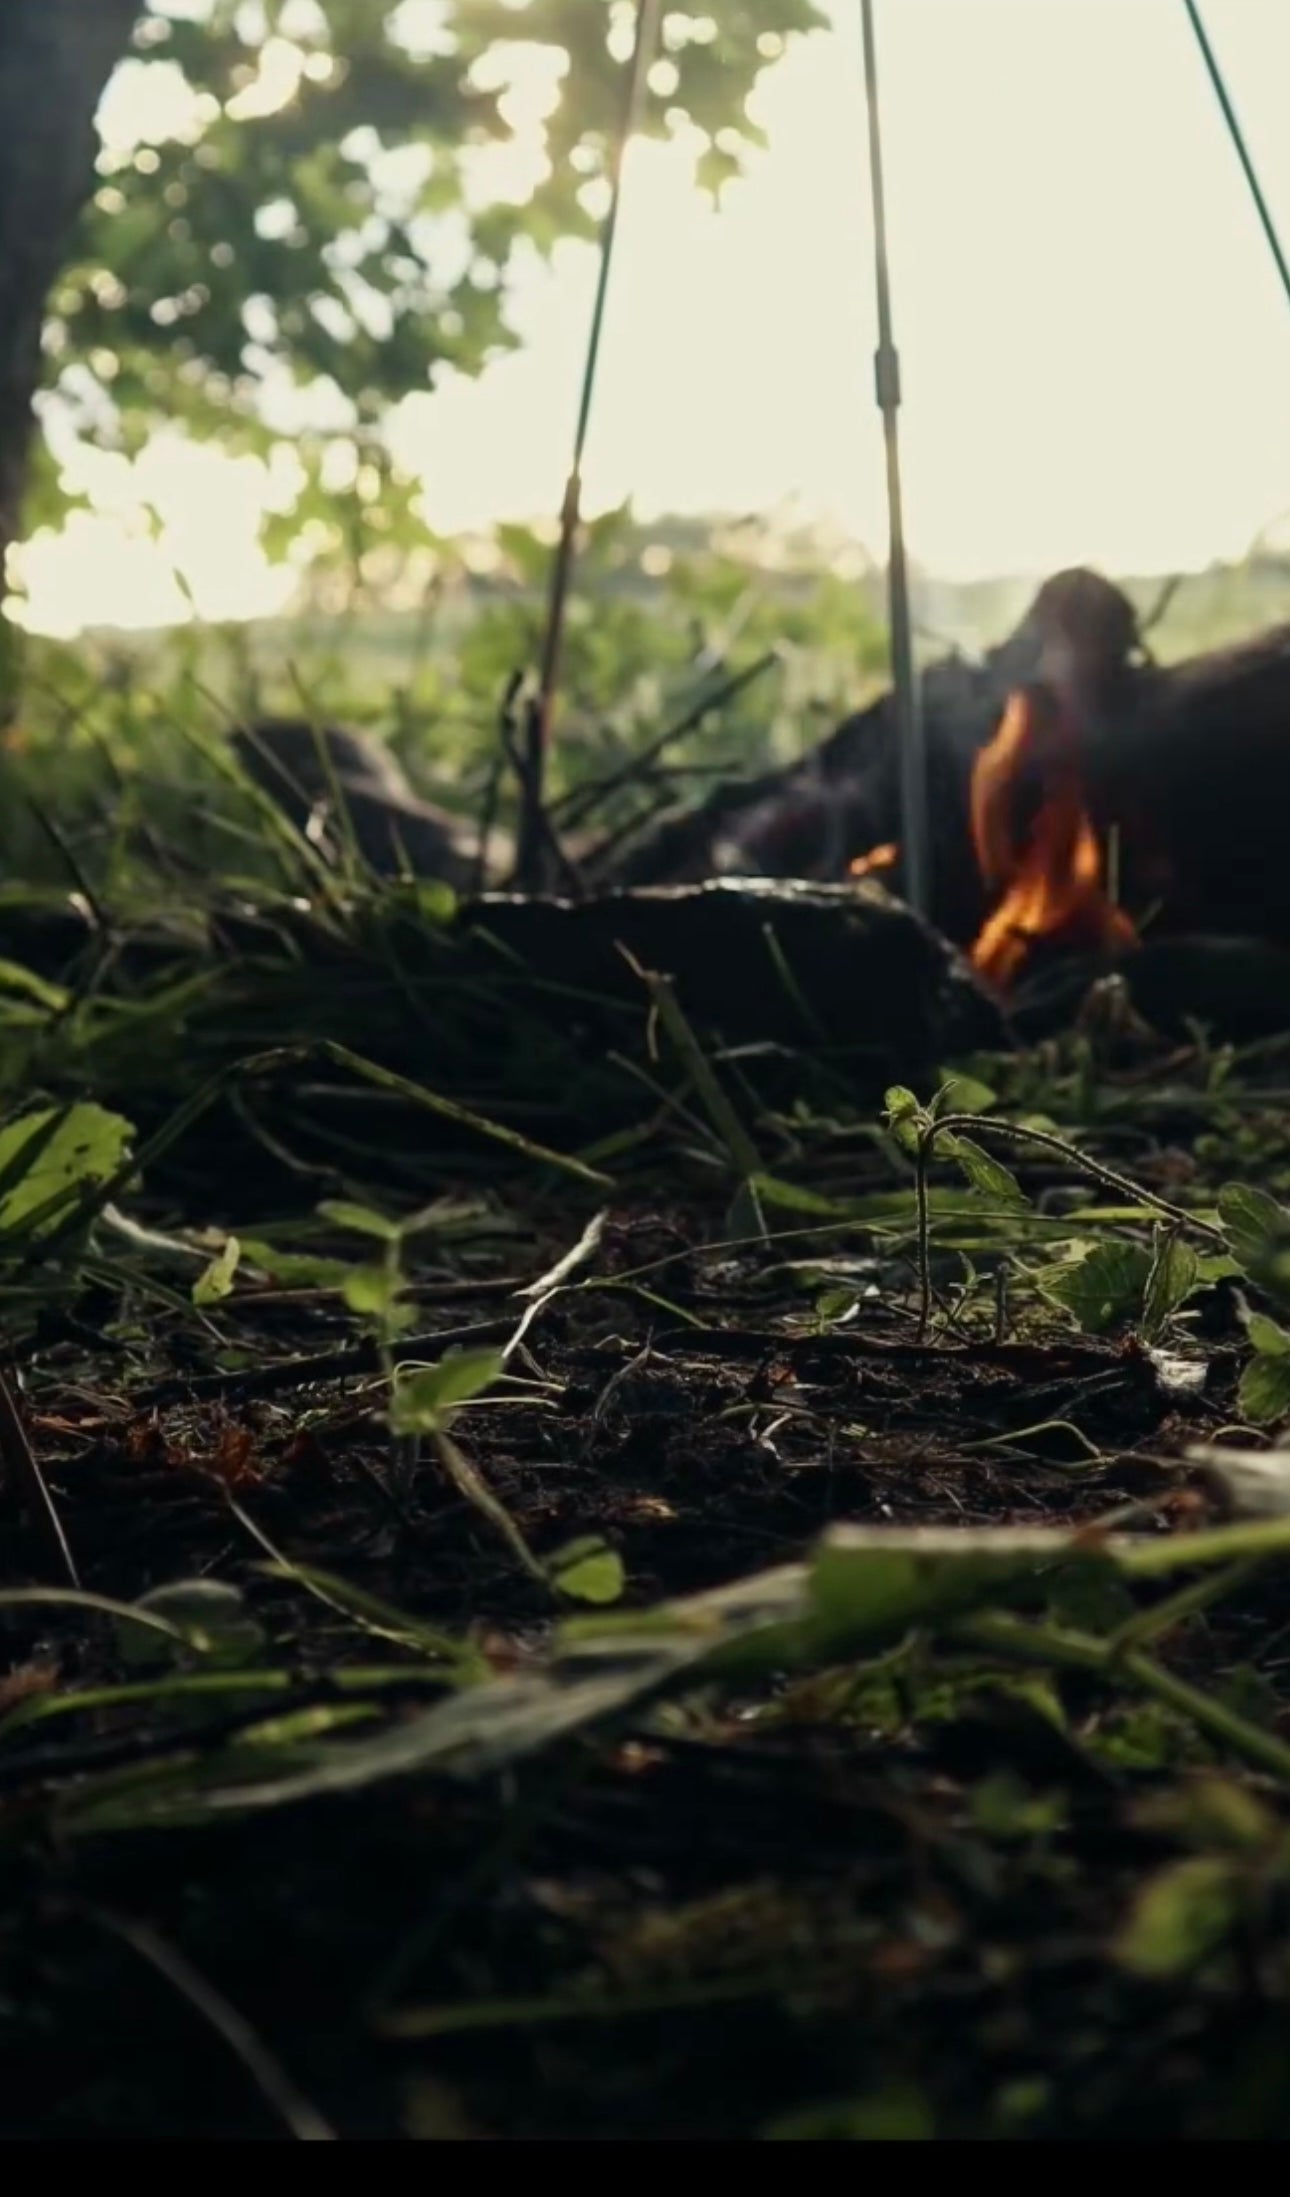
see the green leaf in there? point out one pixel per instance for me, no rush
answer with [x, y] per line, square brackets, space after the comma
[295, 1269]
[211, 1614]
[900, 1105]
[1007, 1808]
[1175, 1272]
[1182, 1915]
[588, 1571]
[425, 1401]
[1248, 1216]
[770, 1191]
[966, 1094]
[72, 1157]
[985, 1173]
[428, 897]
[371, 1291]
[359, 1220]
[1266, 1336]
[868, 1583]
[1213, 1815]
[217, 1280]
[1258, 1230]
[1264, 1392]
[1104, 1289]
[15, 978]
[865, 1588]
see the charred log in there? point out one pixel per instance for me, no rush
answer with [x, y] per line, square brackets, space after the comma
[1196, 778]
[527, 1010]
[755, 961]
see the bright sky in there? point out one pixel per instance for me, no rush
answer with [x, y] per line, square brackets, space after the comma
[1095, 346]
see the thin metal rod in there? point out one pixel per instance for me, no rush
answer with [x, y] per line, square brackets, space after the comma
[915, 833]
[1237, 136]
[538, 728]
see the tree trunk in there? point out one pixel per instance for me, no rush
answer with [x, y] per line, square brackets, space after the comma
[55, 59]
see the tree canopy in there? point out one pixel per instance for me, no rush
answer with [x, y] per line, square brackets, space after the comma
[305, 209]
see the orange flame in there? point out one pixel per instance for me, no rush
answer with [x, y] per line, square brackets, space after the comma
[1051, 882]
[878, 858]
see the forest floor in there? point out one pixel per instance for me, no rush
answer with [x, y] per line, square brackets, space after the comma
[623, 1647]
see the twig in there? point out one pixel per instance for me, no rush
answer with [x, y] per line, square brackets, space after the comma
[321, 1365]
[493, 786]
[574, 807]
[271, 2079]
[744, 1157]
[1132, 1192]
[474, 1489]
[534, 822]
[549, 1286]
[585, 1248]
[20, 1459]
[385, 1079]
[58, 840]
[538, 832]
[631, 827]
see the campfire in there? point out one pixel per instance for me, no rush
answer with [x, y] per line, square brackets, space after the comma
[1045, 874]
[1049, 877]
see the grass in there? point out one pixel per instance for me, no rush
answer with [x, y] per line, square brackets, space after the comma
[559, 1577]
[115, 733]
[787, 1563]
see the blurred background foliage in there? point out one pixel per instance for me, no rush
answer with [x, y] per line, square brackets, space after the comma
[305, 211]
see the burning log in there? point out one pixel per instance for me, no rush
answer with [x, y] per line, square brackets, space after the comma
[1082, 799]
[838, 810]
[1081, 796]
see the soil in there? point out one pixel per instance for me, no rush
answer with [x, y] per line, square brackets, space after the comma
[791, 1913]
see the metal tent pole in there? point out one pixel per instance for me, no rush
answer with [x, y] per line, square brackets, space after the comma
[532, 838]
[915, 833]
[1237, 136]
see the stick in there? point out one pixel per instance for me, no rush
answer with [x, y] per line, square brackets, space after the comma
[915, 833]
[302, 2120]
[575, 807]
[539, 723]
[535, 822]
[488, 813]
[1237, 136]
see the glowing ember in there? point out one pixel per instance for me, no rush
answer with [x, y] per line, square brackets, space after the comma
[878, 858]
[1051, 879]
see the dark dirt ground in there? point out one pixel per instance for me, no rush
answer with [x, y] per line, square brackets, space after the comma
[878, 1902]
